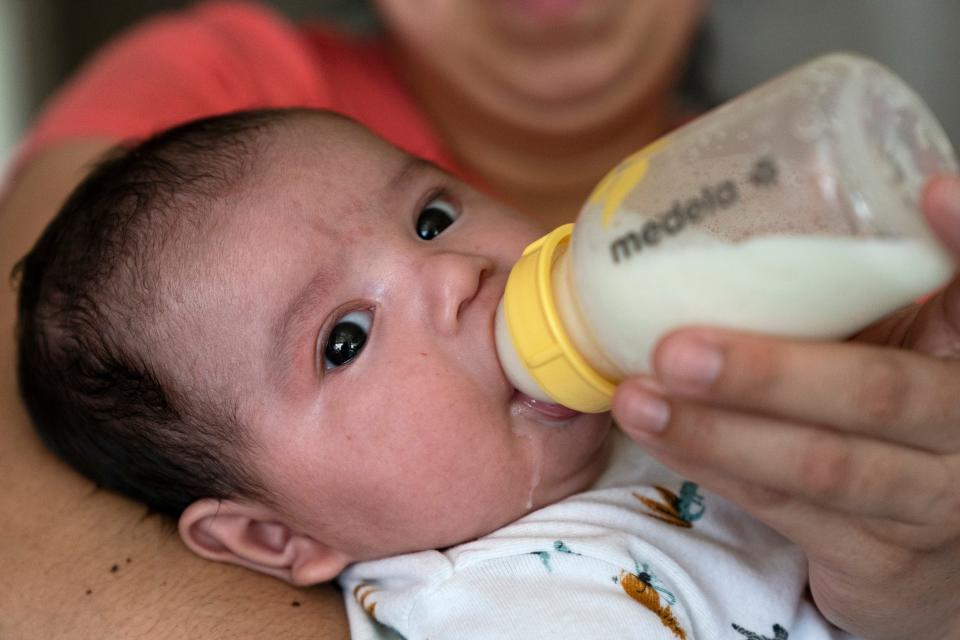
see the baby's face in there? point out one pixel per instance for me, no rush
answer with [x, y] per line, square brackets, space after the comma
[362, 354]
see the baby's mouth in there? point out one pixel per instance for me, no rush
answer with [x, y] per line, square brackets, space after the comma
[521, 403]
[549, 410]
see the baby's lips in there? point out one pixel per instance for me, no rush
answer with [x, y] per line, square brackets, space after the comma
[547, 409]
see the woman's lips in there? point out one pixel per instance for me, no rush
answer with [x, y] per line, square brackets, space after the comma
[548, 410]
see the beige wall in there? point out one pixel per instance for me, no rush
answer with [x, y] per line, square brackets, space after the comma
[27, 51]
[12, 98]
[918, 39]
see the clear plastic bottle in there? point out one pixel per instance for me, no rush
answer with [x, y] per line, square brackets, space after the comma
[792, 210]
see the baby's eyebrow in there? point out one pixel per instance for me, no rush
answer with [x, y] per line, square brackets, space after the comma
[411, 166]
[297, 312]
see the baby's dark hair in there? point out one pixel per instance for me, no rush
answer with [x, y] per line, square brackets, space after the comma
[89, 291]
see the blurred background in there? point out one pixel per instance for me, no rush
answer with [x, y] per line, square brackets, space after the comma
[747, 41]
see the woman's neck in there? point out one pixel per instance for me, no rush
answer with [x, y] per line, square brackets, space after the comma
[546, 174]
[548, 180]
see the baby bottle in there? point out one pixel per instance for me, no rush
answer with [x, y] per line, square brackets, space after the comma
[792, 210]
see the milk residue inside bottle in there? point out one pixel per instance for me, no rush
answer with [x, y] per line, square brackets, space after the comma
[792, 210]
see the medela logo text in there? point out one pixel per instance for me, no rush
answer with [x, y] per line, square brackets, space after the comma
[710, 201]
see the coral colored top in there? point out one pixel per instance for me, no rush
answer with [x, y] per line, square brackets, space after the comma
[222, 56]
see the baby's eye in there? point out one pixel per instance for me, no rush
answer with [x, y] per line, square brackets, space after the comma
[435, 216]
[346, 339]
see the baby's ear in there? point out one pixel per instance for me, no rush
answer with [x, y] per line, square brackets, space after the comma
[253, 536]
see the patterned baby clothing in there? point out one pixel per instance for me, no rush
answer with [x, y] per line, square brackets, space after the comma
[643, 554]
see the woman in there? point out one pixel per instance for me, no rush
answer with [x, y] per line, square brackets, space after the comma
[532, 100]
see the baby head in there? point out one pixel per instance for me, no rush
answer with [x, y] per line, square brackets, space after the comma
[279, 328]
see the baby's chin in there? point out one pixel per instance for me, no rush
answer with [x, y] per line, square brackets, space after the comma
[563, 460]
[574, 456]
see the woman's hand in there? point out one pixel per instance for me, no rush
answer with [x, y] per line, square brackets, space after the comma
[852, 450]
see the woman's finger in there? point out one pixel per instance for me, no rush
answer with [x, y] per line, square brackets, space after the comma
[884, 559]
[825, 535]
[941, 206]
[832, 469]
[894, 395]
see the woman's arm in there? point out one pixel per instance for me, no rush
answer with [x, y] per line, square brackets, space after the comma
[82, 563]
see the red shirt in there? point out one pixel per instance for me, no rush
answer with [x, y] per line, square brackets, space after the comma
[225, 56]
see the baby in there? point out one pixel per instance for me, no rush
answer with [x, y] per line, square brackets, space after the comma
[279, 329]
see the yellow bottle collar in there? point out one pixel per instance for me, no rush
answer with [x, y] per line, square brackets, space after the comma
[538, 335]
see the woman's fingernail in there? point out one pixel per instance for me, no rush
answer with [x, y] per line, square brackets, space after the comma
[690, 364]
[644, 411]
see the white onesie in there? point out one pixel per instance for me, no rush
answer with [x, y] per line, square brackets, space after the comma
[643, 554]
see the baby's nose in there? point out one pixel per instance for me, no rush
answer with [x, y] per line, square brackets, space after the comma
[452, 283]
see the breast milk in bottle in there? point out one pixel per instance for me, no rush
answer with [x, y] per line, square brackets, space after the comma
[792, 210]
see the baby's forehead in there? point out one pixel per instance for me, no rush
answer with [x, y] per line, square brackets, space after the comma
[318, 173]
[328, 162]
[319, 179]
[336, 154]
[325, 130]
